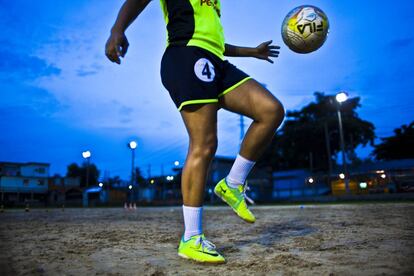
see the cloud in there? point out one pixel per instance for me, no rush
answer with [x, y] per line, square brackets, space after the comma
[401, 43]
[40, 100]
[125, 111]
[88, 70]
[19, 67]
[85, 73]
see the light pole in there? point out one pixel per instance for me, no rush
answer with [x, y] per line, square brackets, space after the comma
[328, 150]
[132, 145]
[87, 155]
[340, 98]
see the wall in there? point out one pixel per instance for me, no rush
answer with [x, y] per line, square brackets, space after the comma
[35, 170]
[23, 184]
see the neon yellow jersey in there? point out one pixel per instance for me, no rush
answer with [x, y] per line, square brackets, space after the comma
[194, 23]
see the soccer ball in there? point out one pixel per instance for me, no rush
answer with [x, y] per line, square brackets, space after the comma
[305, 29]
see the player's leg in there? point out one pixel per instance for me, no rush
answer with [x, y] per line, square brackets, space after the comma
[252, 100]
[182, 74]
[201, 125]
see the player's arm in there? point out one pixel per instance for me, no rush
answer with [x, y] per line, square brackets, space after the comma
[117, 44]
[264, 51]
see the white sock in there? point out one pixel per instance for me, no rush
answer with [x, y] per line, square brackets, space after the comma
[192, 221]
[239, 172]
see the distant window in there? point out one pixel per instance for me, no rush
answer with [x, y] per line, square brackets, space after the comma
[26, 182]
[41, 182]
[40, 170]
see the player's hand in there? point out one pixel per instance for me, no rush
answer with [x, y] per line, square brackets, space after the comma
[266, 50]
[116, 46]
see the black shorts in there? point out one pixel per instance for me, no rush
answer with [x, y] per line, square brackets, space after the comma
[193, 75]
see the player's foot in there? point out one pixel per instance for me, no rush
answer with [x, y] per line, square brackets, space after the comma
[235, 198]
[199, 249]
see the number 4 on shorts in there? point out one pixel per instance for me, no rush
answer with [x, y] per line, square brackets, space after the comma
[206, 71]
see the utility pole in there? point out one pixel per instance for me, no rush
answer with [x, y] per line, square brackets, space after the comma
[241, 128]
[311, 161]
[132, 146]
[342, 140]
[87, 171]
[149, 171]
[328, 150]
[87, 155]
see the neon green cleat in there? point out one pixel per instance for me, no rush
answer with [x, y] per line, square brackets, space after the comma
[235, 198]
[199, 249]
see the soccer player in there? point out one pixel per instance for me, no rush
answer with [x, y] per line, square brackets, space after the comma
[200, 82]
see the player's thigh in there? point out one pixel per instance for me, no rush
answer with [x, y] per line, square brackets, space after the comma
[251, 99]
[200, 121]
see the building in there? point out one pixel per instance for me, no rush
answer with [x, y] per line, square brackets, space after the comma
[64, 191]
[391, 176]
[30, 182]
[23, 182]
[298, 184]
[394, 176]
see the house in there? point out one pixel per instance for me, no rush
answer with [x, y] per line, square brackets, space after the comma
[64, 191]
[23, 182]
[30, 183]
[391, 176]
[297, 184]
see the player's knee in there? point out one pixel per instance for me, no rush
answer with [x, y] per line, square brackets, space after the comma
[210, 147]
[203, 152]
[273, 113]
[205, 149]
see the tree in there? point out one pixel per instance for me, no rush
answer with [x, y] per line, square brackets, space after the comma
[75, 171]
[114, 181]
[399, 146]
[139, 179]
[302, 141]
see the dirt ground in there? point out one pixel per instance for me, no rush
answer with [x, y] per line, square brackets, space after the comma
[350, 239]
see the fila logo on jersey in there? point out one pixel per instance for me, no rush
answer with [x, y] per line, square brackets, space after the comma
[204, 70]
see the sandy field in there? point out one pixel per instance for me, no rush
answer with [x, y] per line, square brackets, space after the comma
[349, 239]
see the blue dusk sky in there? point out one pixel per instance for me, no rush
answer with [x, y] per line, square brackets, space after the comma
[61, 96]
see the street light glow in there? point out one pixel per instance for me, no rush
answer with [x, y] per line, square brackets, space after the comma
[363, 185]
[86, 154]
[383, 176]
[341, 97]
[132, 145]
[342, 176]
[176, 163]
[152, 181]
[101, 184]
[310, 180]
[130, 187]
